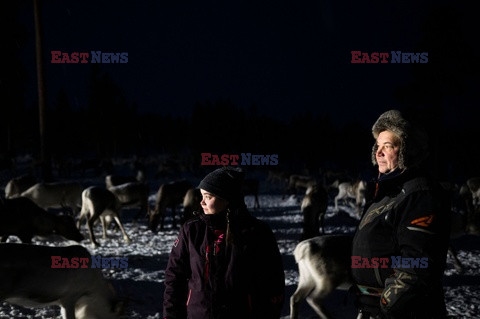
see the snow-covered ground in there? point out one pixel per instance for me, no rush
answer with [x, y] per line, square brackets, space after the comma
[141, 284]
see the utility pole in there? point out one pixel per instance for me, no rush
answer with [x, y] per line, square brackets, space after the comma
[42, 109]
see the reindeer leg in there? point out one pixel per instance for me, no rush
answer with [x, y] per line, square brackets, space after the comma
[104, 226]
[322, 217]
[359, 210]
[68, 311]
[83, 215]
[456, 261]
[352, 204]
[336, 204]
[304, 288]
[316, 298]
[257, 203]
[79, 221]
[125, 236]
[300, 294]
[90, 222]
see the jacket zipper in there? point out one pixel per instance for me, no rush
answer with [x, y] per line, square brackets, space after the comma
[189, 295]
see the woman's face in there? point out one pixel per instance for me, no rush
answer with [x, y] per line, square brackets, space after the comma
[387, 152]
[212, 204]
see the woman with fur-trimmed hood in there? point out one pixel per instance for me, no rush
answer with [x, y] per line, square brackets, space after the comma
[406, 222]
[225, 263]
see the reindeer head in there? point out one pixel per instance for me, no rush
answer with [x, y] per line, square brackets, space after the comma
[65, 226]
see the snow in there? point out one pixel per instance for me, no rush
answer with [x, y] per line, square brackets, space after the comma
[141, 284]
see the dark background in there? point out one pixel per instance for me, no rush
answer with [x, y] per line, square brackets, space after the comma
[241, 76]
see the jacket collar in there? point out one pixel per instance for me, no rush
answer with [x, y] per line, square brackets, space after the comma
[215, 221]
[389, 184]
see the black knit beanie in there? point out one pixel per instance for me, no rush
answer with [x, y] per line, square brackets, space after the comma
[413, 138]
[225, 182]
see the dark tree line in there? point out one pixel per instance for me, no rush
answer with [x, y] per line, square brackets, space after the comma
[110, 126]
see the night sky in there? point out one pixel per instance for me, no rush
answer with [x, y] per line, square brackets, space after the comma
[283, 57]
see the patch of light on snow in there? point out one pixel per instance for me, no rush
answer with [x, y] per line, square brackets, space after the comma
[462, 291]
[291, 277]
[351, 211]
[287, 246]
[463, 301]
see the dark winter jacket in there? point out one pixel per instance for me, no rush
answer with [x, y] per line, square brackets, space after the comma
[206, 277]
[407, 218]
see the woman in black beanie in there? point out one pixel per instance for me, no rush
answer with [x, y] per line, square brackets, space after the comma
[225, 263]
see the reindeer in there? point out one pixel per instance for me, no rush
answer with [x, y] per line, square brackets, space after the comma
[474, 186]
[18, 185]
[250, 187]
[23, 218]
[132, 195]
[27, 279]
[299, 182]
[324, 264]
[115, 180]
[351, 190]
[168, 195]
[464, 214]
[466, 200]
[314, 207]
[461, 224]
[191, 203]
[278, 178]
[100, 203]
[56, 195]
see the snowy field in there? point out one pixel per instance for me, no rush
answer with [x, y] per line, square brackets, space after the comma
[141, 284]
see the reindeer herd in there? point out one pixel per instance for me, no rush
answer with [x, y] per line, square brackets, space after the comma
[323, 261]
[26, 276]
[93, 203]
